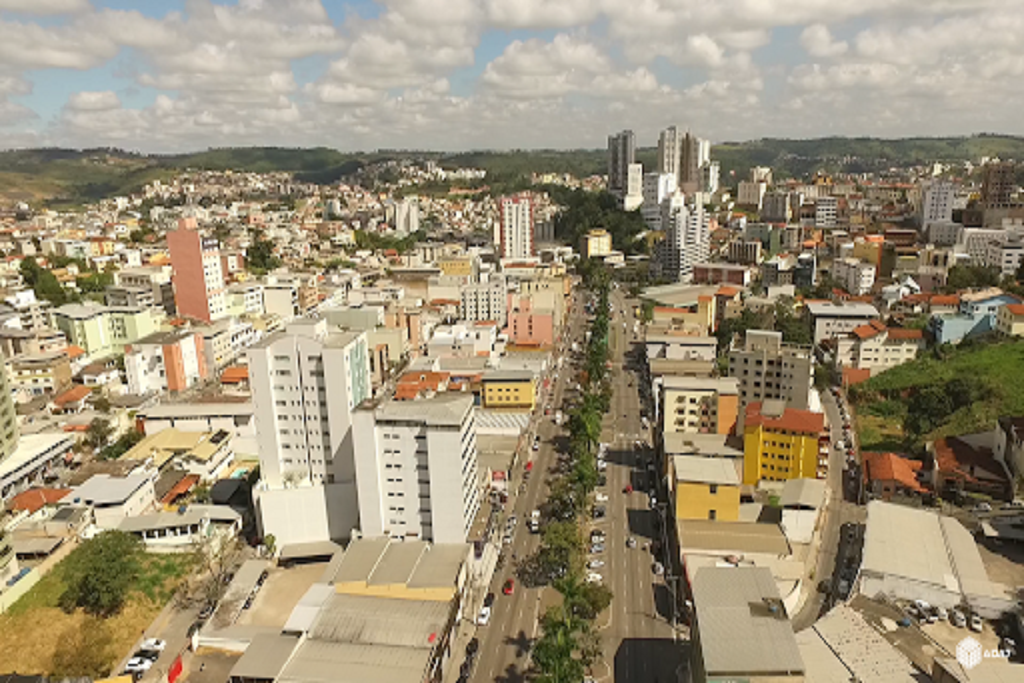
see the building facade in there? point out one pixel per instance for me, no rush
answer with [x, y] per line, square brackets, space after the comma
[768, 369]
[516, 228]
[165, 362]
[780, 443]
[621, 154]
[198, 278]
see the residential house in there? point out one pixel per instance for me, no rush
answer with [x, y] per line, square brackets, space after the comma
[113, 498]
[877, 348]
[887, 475]
[1010, 320]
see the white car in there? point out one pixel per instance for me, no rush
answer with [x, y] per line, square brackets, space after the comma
[601, 497]
[137, 665]
[957, 618]
[485, 616]
[594, 577]
[595, 564]
[153, 645]
[601, 465]
[976, 624]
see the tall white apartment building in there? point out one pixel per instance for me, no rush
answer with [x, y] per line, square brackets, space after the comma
[937, 202]
[516, 228]
[710, 176]
[657, 187]
[826, 212]
[669, 147]
[488, 300]
[305, 385]
[416, 468]
[634, 196]
[407, 216]
[687, 238]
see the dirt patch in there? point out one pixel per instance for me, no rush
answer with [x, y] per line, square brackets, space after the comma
[1004, 563]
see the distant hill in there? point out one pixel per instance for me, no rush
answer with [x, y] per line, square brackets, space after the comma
[67, 176]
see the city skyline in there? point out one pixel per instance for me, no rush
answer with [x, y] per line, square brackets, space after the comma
[495, 74]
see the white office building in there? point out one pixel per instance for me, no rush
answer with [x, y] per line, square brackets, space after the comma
[416, 468]
[669, 148]
[1006, 256]
[406, 218]
[516, 228]
[305, 385]
[854, 275]
[488, 300]
[826, 212]
[687, 238]
[634, 187]
[657, 187]
[937, 201]
[710, 175]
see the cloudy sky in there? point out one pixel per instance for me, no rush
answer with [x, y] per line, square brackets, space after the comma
[169, 75]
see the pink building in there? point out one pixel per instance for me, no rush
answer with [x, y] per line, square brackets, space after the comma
[198, 276]
[528, 326]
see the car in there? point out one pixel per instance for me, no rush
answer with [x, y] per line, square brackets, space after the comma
[594, 577]
[596, 534]
[654, 502]
[1013, 505]
[138, 665]
[602, 465]
[512, 520]
[596, 548]
[485, 616]
[658, 568]
[982, 507]
[207, 611]
[595, 564]
[153, 645]
[509, 587]
[536, 445]
[507, 540]
[628, 488]
[941, 614]
[472, 647]
[151, 655]
[601, 497]
[922, 606]
[957, 618]
[630, 542]
[489, 600]
[599, 512]
[825, 586]
[602, 480]
[976, 624]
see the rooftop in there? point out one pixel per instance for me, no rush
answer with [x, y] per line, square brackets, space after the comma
[842, 647]
[721, 385]
[447, 409]
[791, 419]
[509, 376]
[719, 445]
[729, 537]
[35, 499]
[103, 489]
[742, 623]
[416, 564]
[892, 467]
[851, 310]
[695, 468]
[193, 514]
[907, 542]
[172, 442]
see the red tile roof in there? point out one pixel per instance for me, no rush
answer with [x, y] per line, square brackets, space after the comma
[72, 395]
[1015, 309]
[35, 499]
[869, 330]
[180, 489]
[792, 420]
[891, 467]
[945, 300]
[853, 376]
[727, 291]
[75, 351]
[905, 333]
[236, 374]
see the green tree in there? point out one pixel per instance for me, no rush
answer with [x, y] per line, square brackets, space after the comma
[43, 282]
[100, 572]
[98, 432]
[259, 257]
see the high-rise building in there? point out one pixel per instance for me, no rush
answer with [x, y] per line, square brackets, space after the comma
[768, 369]
[687, 238]
[416, 468]
[305, 385]
[621, 153]
[998, 184]
[634, 196]
[669, 148]
[937, 201]
[483, 301]
[8, 417]
[165, 361]
[198, 278]
[690, 154]
[407, 216]
[516, 228]
[710, 176]
[657, 188]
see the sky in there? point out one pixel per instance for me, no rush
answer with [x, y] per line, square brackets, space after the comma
[359, 75]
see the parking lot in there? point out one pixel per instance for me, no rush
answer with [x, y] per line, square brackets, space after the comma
[279, 594]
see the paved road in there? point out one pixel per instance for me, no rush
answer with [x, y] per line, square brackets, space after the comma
[505, 641]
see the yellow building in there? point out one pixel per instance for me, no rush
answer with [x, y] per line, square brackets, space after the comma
[705, 488]
[512, 389]
[458, 266]
[780, 443]
[1010, 320]
[597, 243]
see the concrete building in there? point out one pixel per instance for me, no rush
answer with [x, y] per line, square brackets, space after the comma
[529, 325]
[198, 278]
[687, 239]
[740, 629]
[745, 252]
[853, 275]
[781, 443]
[33, 314]
[155, 278]
[977, 315]
[692, 153]
[937, 200]
[123, 295]
[826, 213]
[657, 187]
[8, 421]
[1010, 320]
[112, 499]
[509, 390]
[597, 243]
[945, 234]
[1006, 256]
[768, 369]
[877, 348]
[245, 298]
[829, 320]
[416, 468]
[750, 193]
[670, 144]
[39, 374]
[405, 218]
[165, 362]
[999, 182]
[103, 330]
[484, 301]
[704, 488]
[621, 154]
[634, 196]
[305, 385]
[516, 238]
[698, 405]
[776, 208]
[710, 177]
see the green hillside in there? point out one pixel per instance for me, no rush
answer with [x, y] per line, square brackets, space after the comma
[944, 392]
[77, 176]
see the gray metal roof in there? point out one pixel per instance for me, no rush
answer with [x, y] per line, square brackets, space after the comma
[508, 376]
[847, 310]
[734, 537]
[739, 633]
[907, 542]
[439, 566]
[861, 649]
[449, 409]
[696, 468]
[265, 657]
[360, 559]
[324, 662]
[194, 514]
[803, 493]
[397, 563]
[720, 445]
[366, 620]
[304, 614]
[103, 489]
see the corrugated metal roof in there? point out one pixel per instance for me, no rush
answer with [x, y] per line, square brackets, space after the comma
[862, 650]
[305, 612]
[325, 662]
[739, 634]
[696, 468]
[398, 563]
[367, 620]
[906, 542]
[265, 657]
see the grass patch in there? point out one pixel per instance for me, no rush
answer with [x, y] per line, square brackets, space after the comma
[35, 632]
[880, 434]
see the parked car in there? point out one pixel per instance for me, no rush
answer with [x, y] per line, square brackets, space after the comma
[957, 618]
[595, 564]
[485, 616]
[207, 611]
[153, 645]
[601, 497]
[599, 512]
[941, 614]
[472, 647]
[596, 548]
[509, 587]
[138, 665]
[630, 542]
[594, 577]
[1014, 505]
[489, 600]
[658, 568]
[982, 507]
[976, 624]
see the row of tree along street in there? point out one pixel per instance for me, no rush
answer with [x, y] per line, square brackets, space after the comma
[569, 644]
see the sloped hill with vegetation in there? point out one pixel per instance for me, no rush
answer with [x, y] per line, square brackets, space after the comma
[944, 392]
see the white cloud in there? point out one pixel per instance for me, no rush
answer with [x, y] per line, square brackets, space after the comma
[94, 101]
[542, 13]
[818, 42]
[44, 6]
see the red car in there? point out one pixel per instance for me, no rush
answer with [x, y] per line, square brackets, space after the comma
[509, 587]
[628, 489]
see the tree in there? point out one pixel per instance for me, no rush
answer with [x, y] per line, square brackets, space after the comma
[98, 432]
[43, 282]
[215, 559]
[259, 257]
[100, 572]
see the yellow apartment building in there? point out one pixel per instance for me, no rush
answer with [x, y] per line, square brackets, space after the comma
[509, 389]
[780, 443]
[705, 488]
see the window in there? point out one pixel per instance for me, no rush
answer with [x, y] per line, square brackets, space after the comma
[713, 489]
[712, 514]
